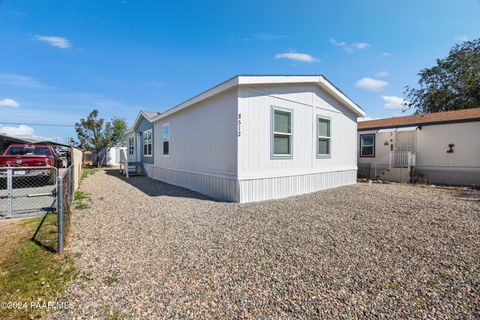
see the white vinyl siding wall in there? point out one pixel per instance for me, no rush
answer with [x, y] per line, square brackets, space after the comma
[306, 102]
[304, 171]
[203, 148]
[223, 146]
[462, 167]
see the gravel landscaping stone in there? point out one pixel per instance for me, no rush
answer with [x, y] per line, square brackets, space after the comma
[146, 249]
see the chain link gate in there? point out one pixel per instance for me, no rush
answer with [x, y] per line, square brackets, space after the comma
[27, 191]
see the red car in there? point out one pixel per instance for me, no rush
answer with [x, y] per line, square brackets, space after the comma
[26, 155]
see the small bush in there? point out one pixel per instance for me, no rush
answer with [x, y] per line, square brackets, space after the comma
[82, 200]
[392, 286]
[88, 172]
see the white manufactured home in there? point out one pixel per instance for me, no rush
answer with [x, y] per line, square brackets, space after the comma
[440, 148]
[253, 138]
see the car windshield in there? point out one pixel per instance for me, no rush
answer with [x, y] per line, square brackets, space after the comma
[21, 151]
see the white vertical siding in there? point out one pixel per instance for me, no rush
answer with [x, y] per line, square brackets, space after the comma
[307, 102]
[219, 187]
[214, 154]
[286, 186]
[202, 138]
[262, 177]
[203, 148]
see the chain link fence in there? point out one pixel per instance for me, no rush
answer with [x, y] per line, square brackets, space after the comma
[26, 191]
[66, 186]
[36, 191]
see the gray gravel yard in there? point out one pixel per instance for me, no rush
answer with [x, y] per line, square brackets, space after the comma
[146, 249]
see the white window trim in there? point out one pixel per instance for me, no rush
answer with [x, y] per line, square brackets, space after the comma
[318, 136]
[372, 145]
[273, 133]
[151, 142]
[163, 154]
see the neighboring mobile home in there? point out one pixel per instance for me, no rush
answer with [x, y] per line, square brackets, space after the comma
[441, 148]
[253, 138]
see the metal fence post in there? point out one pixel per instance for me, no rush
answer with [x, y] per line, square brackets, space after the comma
[9, 193]
[60, 200]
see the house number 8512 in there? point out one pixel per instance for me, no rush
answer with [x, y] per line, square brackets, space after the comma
[239, 124]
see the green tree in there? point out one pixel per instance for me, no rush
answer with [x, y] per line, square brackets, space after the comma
[452, 84]
[95, 134]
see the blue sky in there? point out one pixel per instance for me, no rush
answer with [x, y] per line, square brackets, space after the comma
[61, 59]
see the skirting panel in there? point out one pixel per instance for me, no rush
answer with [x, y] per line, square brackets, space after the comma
[217, 187]
[281, 187]
[228, 189]
[451, 177]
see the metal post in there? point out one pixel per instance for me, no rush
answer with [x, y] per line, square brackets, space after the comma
[60, 213]
[9, 193]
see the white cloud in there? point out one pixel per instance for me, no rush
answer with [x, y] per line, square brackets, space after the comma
[9, 103]
[382, 74]
[337, 43]
[360, 119]
[371, 84]
[361, 45]
[349, 47]
[461, 38]
[22, 81]
[394, 102]
[21, 130]
[387, 54]
[58, 42]
[296, 56]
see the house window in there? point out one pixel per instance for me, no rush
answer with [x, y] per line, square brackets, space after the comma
[323, 137]
[147, 143]
[367, 145]
[131, 146]
[281, 132]
[166, 139]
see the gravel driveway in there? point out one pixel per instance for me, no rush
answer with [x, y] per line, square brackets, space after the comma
[146, 249]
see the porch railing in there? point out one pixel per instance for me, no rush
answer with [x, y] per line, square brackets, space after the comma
[402, 159]
[395, 159]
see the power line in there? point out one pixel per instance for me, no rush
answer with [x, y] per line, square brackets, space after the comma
[38, 124]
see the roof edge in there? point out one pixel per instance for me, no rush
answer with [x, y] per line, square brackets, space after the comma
[239, 80]
[420, 124]
[140, 114]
